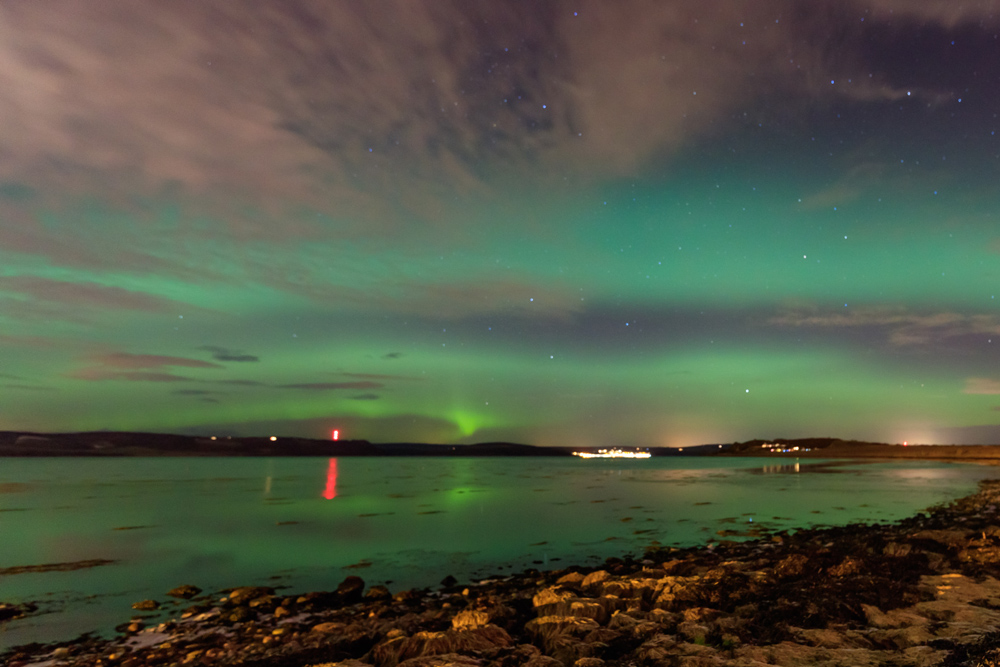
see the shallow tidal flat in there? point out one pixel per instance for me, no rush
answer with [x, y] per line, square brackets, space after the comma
[922, 591]
[99, 536]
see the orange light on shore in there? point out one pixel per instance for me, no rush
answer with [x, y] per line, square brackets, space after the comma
[336, 434]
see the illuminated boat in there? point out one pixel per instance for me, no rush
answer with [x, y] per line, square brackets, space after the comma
[612, 454]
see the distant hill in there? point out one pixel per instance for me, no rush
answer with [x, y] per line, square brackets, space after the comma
[115, 443]
[835, 448]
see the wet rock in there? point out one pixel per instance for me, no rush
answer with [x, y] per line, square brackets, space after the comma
[239, 615]
[328, 628]
[679, 567]
[10, 611]
[411, 595]
[847, 567]
[673, 589]
[594, 578]
[945, 538]
[378, 593]
[897, 549]
[792, 566]
[552, 595]
[470, 618]
[571, 579]
[185, 592]
[657, 650]
[396, 650]
[351, 589]
[146, 605]
[447, 660]
[245, 594]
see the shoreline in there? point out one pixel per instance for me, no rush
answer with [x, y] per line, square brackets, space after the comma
[921, 591]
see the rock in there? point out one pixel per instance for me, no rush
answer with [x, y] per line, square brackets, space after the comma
[470, 618]
[239, 614]
[594, 578]
[328, 627]
[659, 649]
[411, 595]
[548, 627]
[397, 650]
[551, 595]
[146, 605]
[846, 568]
[679, 567]
[571, 579]
[378, 593]
[700, 614]
[897, 549]
[589, 662]
[245, 594]
[446, 660]
[185, 592]
[10, 611]
[693, 632]
[946, 538]
[267, 601]
[671, 589]
[792, 566]
[449, 581]
[351, 589]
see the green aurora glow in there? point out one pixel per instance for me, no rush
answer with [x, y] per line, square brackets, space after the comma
[801, 261]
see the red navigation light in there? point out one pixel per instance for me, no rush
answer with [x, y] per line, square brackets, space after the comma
[336, 434]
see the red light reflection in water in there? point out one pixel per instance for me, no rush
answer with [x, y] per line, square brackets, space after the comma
[330, 492]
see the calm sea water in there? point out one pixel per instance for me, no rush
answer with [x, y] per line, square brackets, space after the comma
[305, 524]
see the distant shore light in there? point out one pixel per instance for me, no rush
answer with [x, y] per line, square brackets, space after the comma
[336, 434]
[273, 438]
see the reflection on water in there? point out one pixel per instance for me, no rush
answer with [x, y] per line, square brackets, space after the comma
[330, 492]
[781, 468]
[410, 521]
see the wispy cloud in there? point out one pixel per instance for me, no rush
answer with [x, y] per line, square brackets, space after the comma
[88, 294]
[137, 368]
[241, 383]
[225, 354]
[901, 327]
[378, 376]
[326, 386]
[147, 361]
[100, 374]
[29, 387]
[981, 386]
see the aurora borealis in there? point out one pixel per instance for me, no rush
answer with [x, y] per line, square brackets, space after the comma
[558, 223]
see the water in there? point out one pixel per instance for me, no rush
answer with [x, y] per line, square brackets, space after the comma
[305, 524]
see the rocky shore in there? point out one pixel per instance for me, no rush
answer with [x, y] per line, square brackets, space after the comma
[924, 591]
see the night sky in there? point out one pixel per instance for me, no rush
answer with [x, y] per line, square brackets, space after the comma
[558, 223]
